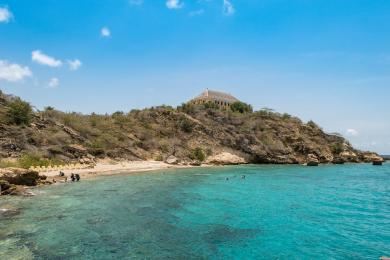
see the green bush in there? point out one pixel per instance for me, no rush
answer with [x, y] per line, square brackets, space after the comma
[211, 105]
[49, 108]
[241, 107]
[286, 116]
[337, 148]
[187, 108]
[312, 124]
[186, 126]
[19, 112]
[198, 154]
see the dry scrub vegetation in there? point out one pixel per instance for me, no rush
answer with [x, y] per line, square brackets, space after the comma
[190, 132]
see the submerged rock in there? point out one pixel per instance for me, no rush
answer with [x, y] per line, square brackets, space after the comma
[5, 187]
[377, 163]
[312, 160]
[338, 160]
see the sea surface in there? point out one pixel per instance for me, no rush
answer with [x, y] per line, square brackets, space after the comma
[275, 212]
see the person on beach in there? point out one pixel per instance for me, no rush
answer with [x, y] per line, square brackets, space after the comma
[62, 174]
[72, 177]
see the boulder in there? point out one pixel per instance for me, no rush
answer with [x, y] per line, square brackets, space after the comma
[172, 160]
[225, 158]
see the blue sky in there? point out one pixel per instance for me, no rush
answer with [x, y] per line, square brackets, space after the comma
[326, 60]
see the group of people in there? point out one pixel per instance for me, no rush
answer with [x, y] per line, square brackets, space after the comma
[242, 177]
[73, 177]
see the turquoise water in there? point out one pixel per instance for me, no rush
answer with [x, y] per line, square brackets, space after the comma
[276, 212]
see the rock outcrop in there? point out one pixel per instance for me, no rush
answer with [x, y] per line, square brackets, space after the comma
[13, 180]
[349, 156]
[372, 157]
[225, 158]
[18, 176]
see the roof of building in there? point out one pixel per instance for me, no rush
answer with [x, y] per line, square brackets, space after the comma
[216, 95]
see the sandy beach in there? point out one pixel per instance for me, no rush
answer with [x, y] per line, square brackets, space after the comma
[108, 167]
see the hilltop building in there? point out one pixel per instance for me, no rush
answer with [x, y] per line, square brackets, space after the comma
[223, 100]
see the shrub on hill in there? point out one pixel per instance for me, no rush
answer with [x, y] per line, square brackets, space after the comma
[198, 154]
[211, 105]
[241, 107]
[186, 125]
[19, 112]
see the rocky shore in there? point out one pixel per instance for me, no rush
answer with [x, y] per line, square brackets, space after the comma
[13, 181]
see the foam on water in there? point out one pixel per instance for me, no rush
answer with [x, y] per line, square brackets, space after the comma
[275, 212]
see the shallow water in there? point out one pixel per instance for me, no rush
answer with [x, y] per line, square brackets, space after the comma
[276, 212]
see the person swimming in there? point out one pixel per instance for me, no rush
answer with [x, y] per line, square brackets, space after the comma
[77, 177]
[72, 177]
[243, 176]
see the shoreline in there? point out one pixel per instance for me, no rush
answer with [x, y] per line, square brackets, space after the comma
[104, 168]
[111, 168]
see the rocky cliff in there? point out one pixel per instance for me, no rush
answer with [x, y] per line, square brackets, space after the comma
[188, 132]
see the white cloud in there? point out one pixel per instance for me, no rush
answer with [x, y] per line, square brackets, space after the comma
[13, 72]
[54, 82]
[5, 15]
[105, 32]
[228, 8]
[174, 4]
[136, 2]
[41, 58]
[351, 132]
[196, 12]
[74, 64]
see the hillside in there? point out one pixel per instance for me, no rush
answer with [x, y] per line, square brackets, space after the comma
[188, 132]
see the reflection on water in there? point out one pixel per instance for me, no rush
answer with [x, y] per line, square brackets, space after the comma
[275, 212]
